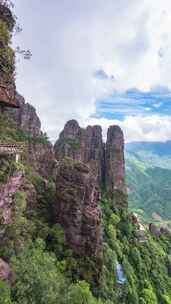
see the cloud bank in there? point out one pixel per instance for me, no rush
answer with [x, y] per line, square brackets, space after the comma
[83, 51]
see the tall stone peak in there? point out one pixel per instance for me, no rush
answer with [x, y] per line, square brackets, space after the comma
[85, 165]
[115, 163]
[115, 166]
[84, 145]
[27, 119]
[95, 129]
[106, 160]
[115, 133]
[71, 128]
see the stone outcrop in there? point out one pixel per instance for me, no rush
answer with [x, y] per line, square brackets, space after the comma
[31, 195]
[5, 271]
[76, 207]
[85, 165]
[115, 166]
[158, 231]
[42, 159]
[7, 193]
[26, 117]
[40, 155]
[114, 160]
[106, 161]
[83, 145]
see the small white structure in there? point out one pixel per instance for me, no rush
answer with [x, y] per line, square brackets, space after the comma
[12, 149]
[121, 279]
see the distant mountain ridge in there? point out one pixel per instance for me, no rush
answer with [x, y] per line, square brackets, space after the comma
[148, 171]
[156, 147]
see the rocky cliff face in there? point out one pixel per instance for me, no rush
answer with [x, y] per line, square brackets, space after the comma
[42, 159]
[114, 159]
[115, 166]
[106, 161]
[76, 207]
[7, 192]
[40, 155]
[86, 164]
[83, 145]
[26, 117]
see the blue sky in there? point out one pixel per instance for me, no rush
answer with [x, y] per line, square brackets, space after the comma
[134, 102]
[100, 62]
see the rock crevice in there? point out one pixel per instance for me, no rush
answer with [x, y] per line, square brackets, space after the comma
[106, 160]
[86, 164]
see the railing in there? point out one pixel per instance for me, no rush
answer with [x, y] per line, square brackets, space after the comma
[9, 148]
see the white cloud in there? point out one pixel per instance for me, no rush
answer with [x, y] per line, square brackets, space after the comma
[71, 39]
[139, 128]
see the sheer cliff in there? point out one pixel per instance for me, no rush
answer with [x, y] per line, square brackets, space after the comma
[65, 233]
[105, 160]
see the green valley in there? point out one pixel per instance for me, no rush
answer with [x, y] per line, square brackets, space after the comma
[148, 167]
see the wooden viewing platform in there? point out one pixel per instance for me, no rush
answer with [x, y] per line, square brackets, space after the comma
[12, 149]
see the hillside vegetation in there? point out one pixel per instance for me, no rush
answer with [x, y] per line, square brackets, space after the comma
[149, 181]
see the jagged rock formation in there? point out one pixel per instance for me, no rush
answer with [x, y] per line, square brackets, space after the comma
[114, 160]
[38, 153]
[83, 145]
[42, 159]
[76, 207]
[26, 117]
[115, 166]
[105, 160]
[91, 164]
[158, 231]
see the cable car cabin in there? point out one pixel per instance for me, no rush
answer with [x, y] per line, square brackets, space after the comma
[7, 98]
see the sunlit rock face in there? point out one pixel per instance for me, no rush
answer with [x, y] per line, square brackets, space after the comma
[26, 117]
[42, 159]
[85, 165]
[83, 145]
[114, 160]
[115, 167]
[106, 160]
[76, 207]
[40, 155]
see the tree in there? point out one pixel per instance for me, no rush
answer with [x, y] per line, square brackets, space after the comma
[5, 297]
[38, 279]
[166, 299]
[80, 294]
[149, 296]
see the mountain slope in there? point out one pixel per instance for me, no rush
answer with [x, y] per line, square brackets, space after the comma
[148, 167]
